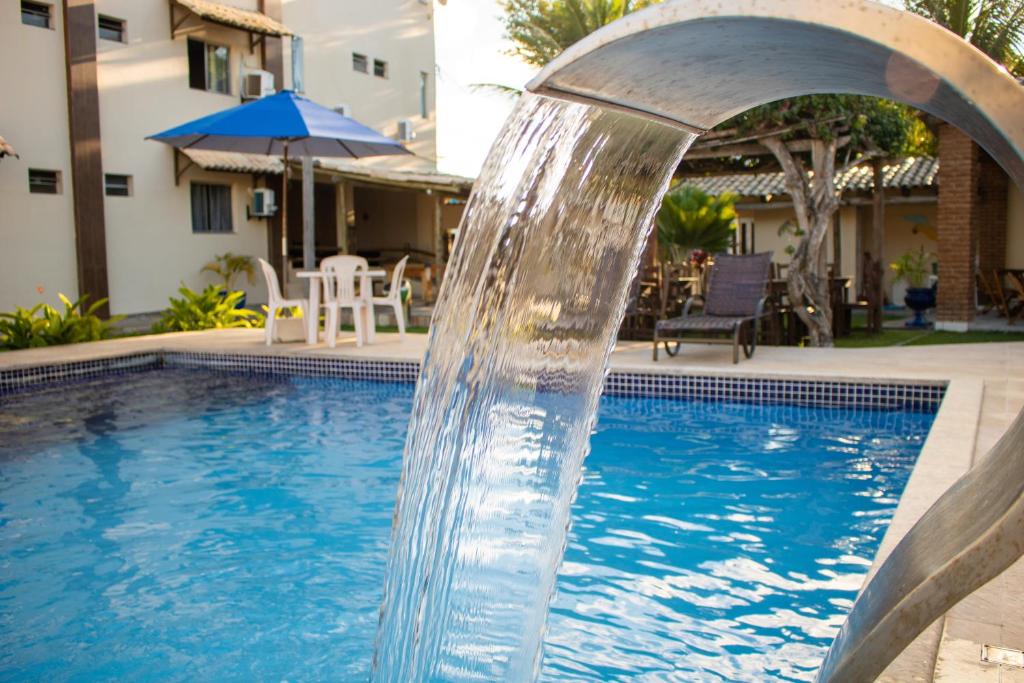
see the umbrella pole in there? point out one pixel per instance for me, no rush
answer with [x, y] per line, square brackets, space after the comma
[284, 223]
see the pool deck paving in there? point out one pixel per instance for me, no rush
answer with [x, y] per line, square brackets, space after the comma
[985, 393]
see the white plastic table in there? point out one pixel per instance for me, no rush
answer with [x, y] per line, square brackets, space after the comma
[316, 281]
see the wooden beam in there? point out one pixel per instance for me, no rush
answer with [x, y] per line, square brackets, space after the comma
[308, 215]
[85, 143]
[179, 169]
[878, 238]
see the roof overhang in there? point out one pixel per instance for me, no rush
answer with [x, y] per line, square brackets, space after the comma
[225, 15]
[259, 164]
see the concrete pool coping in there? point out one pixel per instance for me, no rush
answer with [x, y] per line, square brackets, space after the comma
[985, 389]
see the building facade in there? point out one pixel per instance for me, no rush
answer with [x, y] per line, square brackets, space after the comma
[959, 208]
[92, 207]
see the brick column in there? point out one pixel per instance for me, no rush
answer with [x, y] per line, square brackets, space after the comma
[959, 215]
[992, 216]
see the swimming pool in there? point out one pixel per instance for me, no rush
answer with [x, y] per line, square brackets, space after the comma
[188, 524]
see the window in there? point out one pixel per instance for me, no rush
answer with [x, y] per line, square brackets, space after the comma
[36, 14]
[298, 65]
[743, 238]
[118, 185]
[211, 208]
[111, 29]
[424, 104]
[43, 182]
[208, 66]
[380, 68]
[359, 63]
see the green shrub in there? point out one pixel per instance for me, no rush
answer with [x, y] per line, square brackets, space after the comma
[44, 325]
[206, 310]
[692, 220]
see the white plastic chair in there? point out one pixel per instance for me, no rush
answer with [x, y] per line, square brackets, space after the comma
[340, 292]
[393, 298]
[275, 301]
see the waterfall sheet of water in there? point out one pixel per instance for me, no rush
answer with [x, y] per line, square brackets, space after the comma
[508, 392]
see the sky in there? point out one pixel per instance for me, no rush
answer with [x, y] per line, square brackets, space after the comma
[471, 49]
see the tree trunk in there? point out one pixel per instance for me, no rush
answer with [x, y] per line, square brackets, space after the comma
[815, 203]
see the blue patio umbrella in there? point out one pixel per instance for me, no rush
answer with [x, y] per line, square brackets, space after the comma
[281, 124]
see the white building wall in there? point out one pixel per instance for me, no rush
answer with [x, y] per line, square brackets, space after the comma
[37, 231]
[144, 89]
[400, 32]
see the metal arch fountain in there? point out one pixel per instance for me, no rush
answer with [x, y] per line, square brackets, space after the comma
[697, 63]
[528, 313]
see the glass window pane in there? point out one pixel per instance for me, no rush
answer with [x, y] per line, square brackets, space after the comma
[380, 68]
[35, 14]
[111, 28]
[359, 62]
[217, 65]
[118, 185]
[43, 182]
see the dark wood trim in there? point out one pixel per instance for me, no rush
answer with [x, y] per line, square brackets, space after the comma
[86, 157]
[271, 50]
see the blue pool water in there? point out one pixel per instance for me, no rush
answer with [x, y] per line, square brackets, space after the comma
[190, 525]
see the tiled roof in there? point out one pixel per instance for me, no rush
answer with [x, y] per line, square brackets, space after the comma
[364, 169]
[247, 20]
[912, 172]
[6, 150]
[235, 162]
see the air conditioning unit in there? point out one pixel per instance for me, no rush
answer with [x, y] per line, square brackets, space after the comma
[257, 84]
[263, 204]
[406, 131]
[344, 110]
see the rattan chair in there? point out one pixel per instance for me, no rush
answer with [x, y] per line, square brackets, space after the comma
[735, 305]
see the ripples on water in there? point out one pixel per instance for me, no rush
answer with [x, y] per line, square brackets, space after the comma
[722, 541]
[185, 525]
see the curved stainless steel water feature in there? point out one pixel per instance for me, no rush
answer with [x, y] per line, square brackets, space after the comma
[536, 290]
[696, 63]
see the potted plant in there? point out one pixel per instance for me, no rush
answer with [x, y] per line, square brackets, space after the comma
[228, 267]
[913, 269]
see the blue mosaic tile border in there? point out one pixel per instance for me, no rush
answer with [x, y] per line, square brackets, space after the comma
[17, 379]
[841, 394]
[378, 370]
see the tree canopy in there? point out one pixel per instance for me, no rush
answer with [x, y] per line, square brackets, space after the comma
[542, 29]
[996, 27]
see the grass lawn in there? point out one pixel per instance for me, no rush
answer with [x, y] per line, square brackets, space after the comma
[889, 337]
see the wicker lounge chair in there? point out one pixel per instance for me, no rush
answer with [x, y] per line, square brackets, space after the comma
[736, 296]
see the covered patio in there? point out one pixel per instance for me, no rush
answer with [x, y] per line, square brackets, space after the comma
[371, 208]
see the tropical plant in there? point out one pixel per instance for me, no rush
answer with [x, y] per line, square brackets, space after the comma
[541, 29]
[692, 220]
[912, 268]
[996, 27]
[44, 325]
[228, 266]
[209, 309]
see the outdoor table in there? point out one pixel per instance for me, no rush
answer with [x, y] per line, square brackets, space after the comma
[317, 279]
